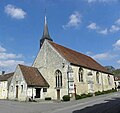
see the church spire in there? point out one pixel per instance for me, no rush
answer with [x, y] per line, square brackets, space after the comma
[45, 33]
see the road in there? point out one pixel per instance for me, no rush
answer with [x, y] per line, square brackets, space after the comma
[109, 103]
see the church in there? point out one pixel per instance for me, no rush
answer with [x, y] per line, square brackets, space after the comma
[58, 71]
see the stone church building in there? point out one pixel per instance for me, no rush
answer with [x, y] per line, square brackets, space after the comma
[58, 71]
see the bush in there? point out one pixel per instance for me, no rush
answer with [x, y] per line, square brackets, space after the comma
[83, 95]
[48, 98]
[77, 97]
[98, 93]
[66, 98]
[89, 95]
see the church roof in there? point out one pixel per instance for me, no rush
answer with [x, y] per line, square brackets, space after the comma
[5, 77]
[79, 59]
[33, 77]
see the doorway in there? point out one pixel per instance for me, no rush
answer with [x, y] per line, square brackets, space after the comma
[58, 94]
[38, 90]
[16, 91]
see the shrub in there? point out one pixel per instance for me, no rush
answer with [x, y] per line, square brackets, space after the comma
[114, 90]
[77, 97]
[48, 98]
[66, 98]
[89, 95]
[83, 95]
[98, 93]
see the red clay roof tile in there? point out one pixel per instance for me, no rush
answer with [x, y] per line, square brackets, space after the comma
[77, 58]
[33, 77]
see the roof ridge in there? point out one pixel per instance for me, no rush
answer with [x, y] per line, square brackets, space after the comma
[78, 58]
[70, 49]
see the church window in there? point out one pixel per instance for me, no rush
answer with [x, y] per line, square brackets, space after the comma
[97, 77]
[80, 74]
[21, 88]
[58, 76]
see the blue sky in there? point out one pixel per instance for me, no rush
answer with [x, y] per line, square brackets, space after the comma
[88, 26]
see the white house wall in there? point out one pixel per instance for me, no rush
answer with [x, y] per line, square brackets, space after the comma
[3, 89]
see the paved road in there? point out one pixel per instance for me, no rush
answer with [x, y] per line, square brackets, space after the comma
[109, 103]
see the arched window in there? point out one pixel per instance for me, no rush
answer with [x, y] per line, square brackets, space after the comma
[97, 77]
[58, 76]
[109, 79]
[80, 74]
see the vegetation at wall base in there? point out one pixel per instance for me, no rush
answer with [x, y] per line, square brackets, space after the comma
[105, 92]
[66, 98]
[48, 98]
[77, 97]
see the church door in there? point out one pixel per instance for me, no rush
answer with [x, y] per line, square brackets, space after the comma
[58, 94]
[16, 91]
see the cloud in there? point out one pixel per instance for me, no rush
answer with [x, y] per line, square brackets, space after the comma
[101, 56]
[74, 20]
[118, 21]
[104, 56]
[117, 44]
[10, 56]
[9, 65]
[2, 49]
[114, 28]
[14, 12]
[89, 53]
[98, 29]
[8, 61]
[92, 26]
[104, 32]
[102, 1]
[118, 61]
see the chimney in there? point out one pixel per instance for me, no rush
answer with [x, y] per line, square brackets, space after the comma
[3, 72]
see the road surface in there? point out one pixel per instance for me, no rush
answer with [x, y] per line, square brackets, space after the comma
[109, 103]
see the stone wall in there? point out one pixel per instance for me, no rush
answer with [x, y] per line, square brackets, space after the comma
[48, 61]
[18, 80]
[83, 87]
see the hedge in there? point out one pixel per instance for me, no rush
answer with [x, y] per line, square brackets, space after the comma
[66, 98]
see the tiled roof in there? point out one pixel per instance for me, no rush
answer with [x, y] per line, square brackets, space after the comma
[33, 77]
[78, 59]
[5, 77]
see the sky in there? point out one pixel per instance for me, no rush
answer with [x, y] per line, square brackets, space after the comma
[91, 27]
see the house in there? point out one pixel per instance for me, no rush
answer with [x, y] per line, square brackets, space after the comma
[58, 71]
[117, 81]
[27, 84]
[5, 80]
[69, 72]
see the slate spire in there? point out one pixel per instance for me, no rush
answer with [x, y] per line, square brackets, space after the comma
[45, 33]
